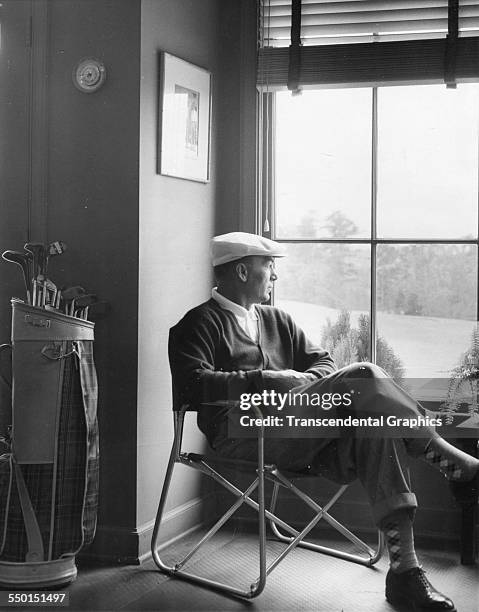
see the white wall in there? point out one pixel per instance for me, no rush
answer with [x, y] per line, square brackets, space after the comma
[176, 223]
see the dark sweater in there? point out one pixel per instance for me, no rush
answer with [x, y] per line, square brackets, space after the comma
[212, 358]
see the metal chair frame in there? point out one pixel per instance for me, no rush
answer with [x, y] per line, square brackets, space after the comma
[264, 472]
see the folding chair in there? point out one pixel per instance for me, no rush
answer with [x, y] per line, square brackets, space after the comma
[280, 528]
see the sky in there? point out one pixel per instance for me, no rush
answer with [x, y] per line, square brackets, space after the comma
[427, 159]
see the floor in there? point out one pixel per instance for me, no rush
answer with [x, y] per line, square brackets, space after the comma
[304, 581]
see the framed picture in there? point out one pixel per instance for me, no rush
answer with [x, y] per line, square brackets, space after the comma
[185, 103]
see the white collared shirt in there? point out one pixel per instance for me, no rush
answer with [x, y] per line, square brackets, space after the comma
[247, 319]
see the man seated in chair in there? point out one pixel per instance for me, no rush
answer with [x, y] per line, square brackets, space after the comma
[233, 345]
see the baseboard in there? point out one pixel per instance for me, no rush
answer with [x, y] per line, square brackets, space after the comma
[117, 545]
[433, 525]
[124, 546]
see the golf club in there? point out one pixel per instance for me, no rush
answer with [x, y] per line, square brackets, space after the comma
[53, 249]
[50, 291]
[83, 302]
[37, 251]
[69, 294]
[56, 248]
[22, 260]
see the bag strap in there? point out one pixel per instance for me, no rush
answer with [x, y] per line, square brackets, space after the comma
[34, 536]
[5, 437]
[6, 458]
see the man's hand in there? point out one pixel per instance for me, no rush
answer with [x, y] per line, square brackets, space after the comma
[284, 380]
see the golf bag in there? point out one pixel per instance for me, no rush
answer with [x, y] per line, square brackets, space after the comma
[49, 465]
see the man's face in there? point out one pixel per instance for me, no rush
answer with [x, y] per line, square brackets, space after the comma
[261, 276]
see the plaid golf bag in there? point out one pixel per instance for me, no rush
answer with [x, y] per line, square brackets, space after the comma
[49, 472]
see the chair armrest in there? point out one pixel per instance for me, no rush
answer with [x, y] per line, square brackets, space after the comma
[235, 403]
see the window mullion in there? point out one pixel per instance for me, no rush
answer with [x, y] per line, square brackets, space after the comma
[374, 182]
[477, 250]
[266, 221]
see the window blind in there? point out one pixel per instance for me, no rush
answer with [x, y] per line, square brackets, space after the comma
[338, 39]
[353, 21]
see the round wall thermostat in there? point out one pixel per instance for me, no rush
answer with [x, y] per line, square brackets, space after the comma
[89, 75]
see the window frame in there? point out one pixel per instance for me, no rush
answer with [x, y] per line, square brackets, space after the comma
[266, 209]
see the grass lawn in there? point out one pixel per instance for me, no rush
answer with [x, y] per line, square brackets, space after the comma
[428, 346]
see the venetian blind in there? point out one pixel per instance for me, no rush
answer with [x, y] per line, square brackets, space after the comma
[338, 40]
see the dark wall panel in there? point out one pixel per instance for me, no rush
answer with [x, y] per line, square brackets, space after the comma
[69, 171]
[93, 206]
[14, 148]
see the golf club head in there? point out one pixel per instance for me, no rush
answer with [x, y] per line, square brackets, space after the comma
[86, 300]
[15, 257]
[72, 293]
[52, 250]
[37, 249]
[56, 248]
[29, 257]
[69, 295]
[23, 260]
[50, 285]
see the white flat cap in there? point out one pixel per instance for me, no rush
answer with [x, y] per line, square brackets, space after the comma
[236, 245]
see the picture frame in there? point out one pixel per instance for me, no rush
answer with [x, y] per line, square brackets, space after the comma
[184, 120]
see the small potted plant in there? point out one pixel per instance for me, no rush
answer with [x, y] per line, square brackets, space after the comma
[463, 383]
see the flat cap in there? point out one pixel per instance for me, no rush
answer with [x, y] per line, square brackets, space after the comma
[236, 245]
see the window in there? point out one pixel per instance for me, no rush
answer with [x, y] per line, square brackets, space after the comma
[375, 192]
